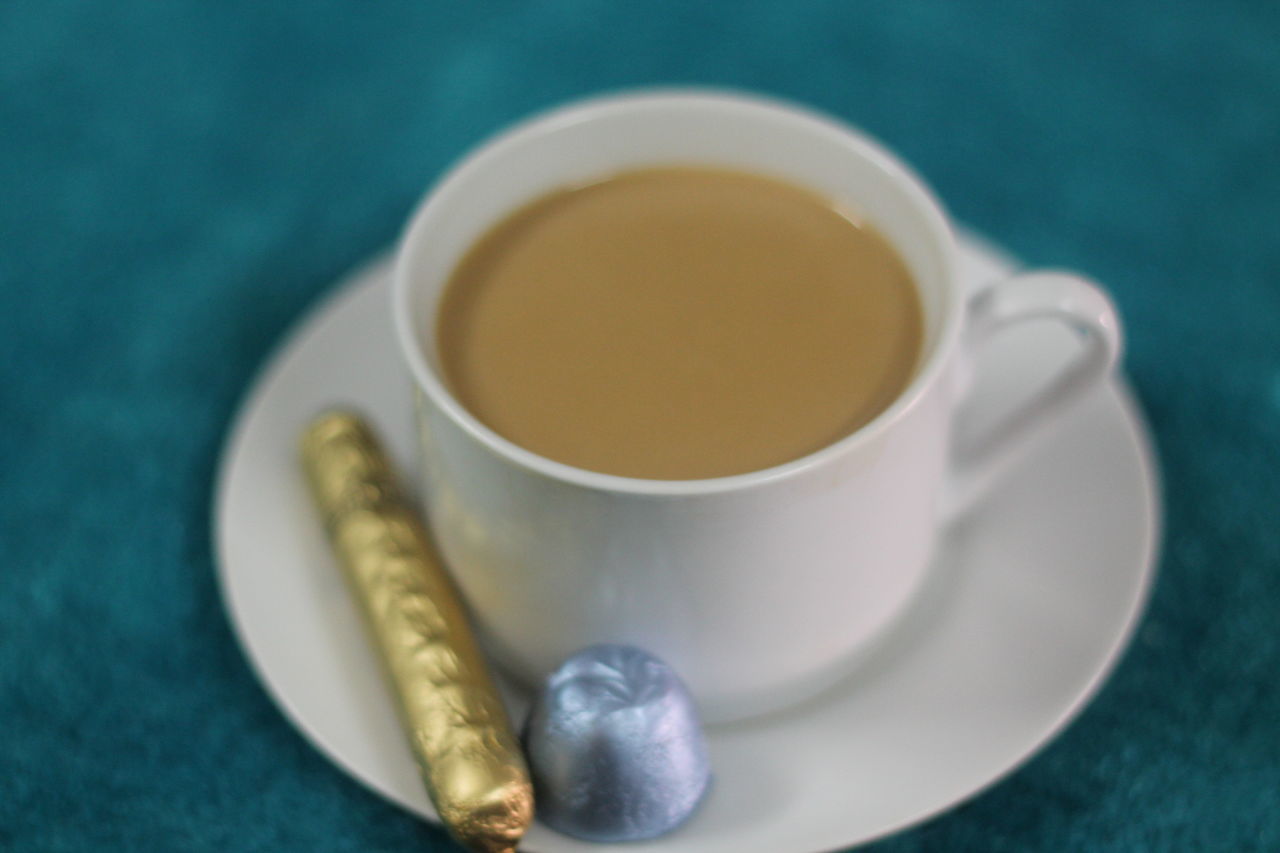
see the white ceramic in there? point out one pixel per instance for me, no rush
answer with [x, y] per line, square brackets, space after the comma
[759, 589]
[1027, 607]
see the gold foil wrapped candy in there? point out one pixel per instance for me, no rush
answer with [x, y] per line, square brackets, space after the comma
[470, 760]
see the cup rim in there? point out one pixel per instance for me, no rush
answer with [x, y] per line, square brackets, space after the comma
[585, 109]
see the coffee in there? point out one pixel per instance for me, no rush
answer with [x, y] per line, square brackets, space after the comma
[679, 323]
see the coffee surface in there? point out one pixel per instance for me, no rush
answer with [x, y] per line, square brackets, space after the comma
[678, 323]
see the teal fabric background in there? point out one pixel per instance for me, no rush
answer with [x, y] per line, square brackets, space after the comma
[180, 180]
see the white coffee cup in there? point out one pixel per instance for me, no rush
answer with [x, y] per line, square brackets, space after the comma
[761, 588]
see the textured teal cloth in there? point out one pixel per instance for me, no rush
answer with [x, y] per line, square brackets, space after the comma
[180, 180]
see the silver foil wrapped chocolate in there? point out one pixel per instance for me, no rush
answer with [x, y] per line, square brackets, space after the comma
[615, 747]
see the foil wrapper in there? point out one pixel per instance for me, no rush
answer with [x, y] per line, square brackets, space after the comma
[458, 729]
[615, 746]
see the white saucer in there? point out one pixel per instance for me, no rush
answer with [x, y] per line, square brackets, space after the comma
[1030, 604]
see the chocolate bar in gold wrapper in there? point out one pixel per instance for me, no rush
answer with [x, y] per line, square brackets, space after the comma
[470, 760]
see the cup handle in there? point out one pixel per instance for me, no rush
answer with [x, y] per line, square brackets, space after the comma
[1084, 308]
